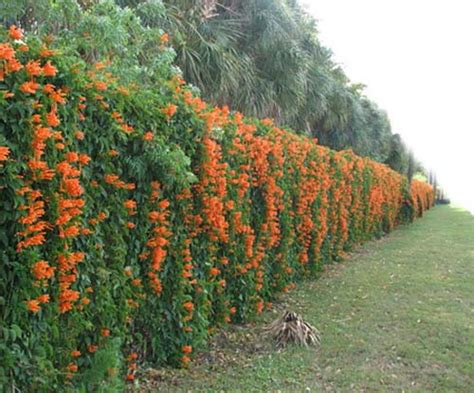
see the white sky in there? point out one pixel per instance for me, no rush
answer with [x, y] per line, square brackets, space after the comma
[417, 59]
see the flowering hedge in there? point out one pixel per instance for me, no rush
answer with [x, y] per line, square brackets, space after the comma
[135, 221]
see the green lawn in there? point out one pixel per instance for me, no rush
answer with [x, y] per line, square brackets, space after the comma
[397, 315]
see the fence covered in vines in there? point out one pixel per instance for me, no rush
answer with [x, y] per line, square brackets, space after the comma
[134, 221]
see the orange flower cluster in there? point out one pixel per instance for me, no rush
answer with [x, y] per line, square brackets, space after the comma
[8, 62]
[164, 38]
[67, 266]
[15, 33]
[4, 153]
[309, 190]
[169, 111]
[189, 308]
[196, 104]
[422, 197]
[187, 259]
[213, 190]
[34, 233]
[132, 366]
[186, 349]
[159, 240]
[69, 203]
[42, 270]
[148, 136]
[115, 181]
[130, 205]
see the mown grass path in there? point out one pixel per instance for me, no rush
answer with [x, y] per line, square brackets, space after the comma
[397, 315]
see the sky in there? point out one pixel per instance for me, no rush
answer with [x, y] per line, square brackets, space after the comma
[416, 58]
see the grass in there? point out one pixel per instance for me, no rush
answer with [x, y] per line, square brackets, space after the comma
[397, 315]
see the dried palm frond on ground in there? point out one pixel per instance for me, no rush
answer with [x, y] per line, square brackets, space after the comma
[291, 328]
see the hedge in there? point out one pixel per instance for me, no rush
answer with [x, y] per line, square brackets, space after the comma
[134, 221]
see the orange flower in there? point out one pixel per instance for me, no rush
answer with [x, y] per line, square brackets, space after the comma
[92, 348]
[170, 110]
[6, 51]
[148, 136]
[76, 353]
[13, 65]
[100, 85]
[132, 356]
[72, 156]
[130, 204]
[43, 298]
[187, 349]
[79, 135]
[164, 38]
[42, 270]
[185, 360]
[45, 52]
[52, 119]
[72, 367]
[29, 87]
[130, 377]
[73, 187]
[33, 305]
[49, 69]
[15, 33]
[127, 128]
[189, 306]
[105, 332]
[154, 216]
[163, 204]
[69, 295]
[64, 307]
[33, 68]
[4, 153]
[84, 159]
[214, 271]
[111, 178]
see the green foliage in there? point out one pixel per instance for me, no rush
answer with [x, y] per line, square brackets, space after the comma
[104, 375]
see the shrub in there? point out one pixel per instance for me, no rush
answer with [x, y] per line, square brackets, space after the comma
[136, 220]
